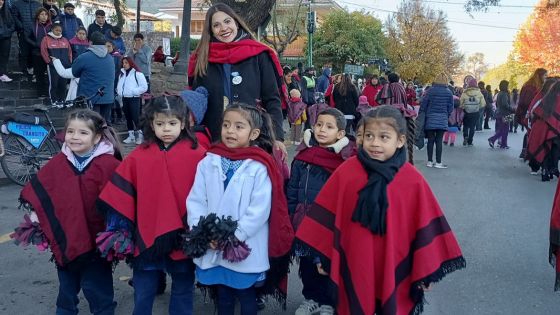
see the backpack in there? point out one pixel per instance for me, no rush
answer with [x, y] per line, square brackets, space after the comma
[472, 104]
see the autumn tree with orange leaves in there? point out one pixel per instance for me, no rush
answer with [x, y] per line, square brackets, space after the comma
[537, 42]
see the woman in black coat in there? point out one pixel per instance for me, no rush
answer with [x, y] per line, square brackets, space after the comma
[234, 67]
[7, 27]
[346, 100]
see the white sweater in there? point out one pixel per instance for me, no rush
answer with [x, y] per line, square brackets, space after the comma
[247, 199]
[127, 85]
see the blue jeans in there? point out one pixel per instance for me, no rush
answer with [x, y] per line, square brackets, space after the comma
[226, 300]
[95, 279]
[182, 286]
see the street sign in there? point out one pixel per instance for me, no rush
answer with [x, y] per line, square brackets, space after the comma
[354, 69]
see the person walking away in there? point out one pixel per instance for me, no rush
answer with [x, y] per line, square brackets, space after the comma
[375, 224]
[504, 115]
[7, 28]
[324, 148]
[70, 22]
[514, 101]
[346, 99]
[41, 28]
[489, 110]
[99, 25]
[61, 200]
[114, 35]
[54, 45]
[455, 122]
[482, 112]
[130, 87]
[297, 115]
[116, 112]
[437, 105]
[472, 101]
[308, 86]
[142, 56]
[23, 12]
[528, 91]
[324, 80]
[79, 42]
[372, 88]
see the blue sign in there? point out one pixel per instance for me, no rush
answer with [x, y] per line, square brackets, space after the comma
[34, 134]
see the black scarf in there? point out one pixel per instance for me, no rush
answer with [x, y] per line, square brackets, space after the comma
[371, 209]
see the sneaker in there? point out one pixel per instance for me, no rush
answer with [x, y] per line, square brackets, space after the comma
[307, 307]
[130, 139]
[452, 144]
[5, 78]
[491, 144]
[464, 143]
[430, 164]
[440, 165]
[326, 310]
[139, 137]
[505, 148]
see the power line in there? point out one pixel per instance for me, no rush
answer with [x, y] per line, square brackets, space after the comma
[462, 3]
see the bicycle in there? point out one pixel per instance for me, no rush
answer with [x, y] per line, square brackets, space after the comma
[30, 141]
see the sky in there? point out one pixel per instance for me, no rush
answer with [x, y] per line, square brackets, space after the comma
[494, 39]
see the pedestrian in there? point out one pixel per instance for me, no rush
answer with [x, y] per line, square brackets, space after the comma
[372, 88]
[291, 84]
[411, 98]
[70, 22]
[50, 6]
[487, 99]
[96, 70]
[197, 104]
[308, 86]
[79, 42]
[67, 214]
[489, 110]
[314, 110]
[257, 203]
[114, 35]
[142, 55]
[23, 12]
[362, 212]
[131, 85]
[324, 148]
[248, 70]
[454, 123]
[54, 45]
[324, 80]
[329, 99]
[159, 56]
[437, 105]
[297, 116]
[472, 102]
[156, 214]
[7, 28]
[346, 99]
[41, 28]
[514, 100]
[554, 239]
[99, 25]
[504, 114]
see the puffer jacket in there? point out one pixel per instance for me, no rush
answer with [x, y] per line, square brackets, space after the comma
[131, 84]
[23, 12]
[472, 100]
[70, 25]
[438, 105]
[7, 23]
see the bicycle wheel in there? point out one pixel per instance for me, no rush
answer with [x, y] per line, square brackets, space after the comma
[22, 160]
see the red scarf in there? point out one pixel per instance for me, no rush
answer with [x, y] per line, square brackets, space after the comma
[375, 274]
[554, 252]
[319, 156]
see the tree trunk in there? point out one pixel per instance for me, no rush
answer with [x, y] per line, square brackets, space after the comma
[119, 11]
[253, 12]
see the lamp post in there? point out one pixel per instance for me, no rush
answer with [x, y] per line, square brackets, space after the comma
[182, 65]
[310, 31]
[138, 2]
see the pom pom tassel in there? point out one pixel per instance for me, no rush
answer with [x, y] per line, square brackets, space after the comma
[29, 232]
[115, 245]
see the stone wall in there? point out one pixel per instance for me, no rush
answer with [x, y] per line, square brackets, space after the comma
[153, 39]
[163, 80]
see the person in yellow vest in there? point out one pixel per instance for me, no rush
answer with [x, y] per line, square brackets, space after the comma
[308, 86]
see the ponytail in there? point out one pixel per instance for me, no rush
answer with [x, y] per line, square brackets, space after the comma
[110, 135]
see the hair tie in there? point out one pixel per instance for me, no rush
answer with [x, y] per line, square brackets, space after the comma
[259, 106]
[104, 126]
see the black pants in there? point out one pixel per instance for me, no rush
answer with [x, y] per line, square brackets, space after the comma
[226, 300]
[105, 111]
[5, 46]
[487, 118]
[40, 72]
[25, 57]
[435, 137]
[550, 163]
[315, 285]
[57, 85]
[131, 109]
[469, 125]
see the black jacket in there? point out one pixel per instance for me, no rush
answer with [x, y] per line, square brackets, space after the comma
[23, 12]
[93, 27]
[258, 82]
[348, 103]
[7, 23]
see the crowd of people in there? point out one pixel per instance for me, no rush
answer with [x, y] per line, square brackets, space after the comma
[207, 196]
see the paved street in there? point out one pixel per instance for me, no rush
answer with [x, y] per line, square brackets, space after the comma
[500, 215]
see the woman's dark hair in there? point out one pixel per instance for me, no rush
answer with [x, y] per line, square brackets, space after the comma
[345, 85]
[169, 105]
[81, 28]
[56, 24]
[338, 117]
[258, 119]
[549, 91]
[38, 12]
[138, 35]
[99, 127]
[388, 114]
[489, 89]
[536, 79]
[504, 85]
[204, 45]
[393, 77]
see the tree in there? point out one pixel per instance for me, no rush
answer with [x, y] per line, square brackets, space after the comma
[483, 5]
[511, 70]
[475, 65]
[536, 44]
[287, 24]
[345, 37]
[419, 44]
[253, 12]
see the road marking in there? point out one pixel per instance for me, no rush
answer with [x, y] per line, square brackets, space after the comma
[5, 238]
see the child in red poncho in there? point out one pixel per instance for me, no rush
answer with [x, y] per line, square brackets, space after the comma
[145, 202]
[297, 115]
[377, 227]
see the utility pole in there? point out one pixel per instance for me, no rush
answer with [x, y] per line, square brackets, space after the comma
[138, 2]
[310, 30]
[182, 65]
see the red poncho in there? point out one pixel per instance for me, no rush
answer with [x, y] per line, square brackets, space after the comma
[64, 200]
[543, 131]
[376, 274]
[554, 252]
[150, 189]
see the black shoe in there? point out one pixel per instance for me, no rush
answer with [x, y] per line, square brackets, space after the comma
[487, 128]
[491, 144]
[452, 144]
[464, 143]
[260, 303]
[544, 177]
